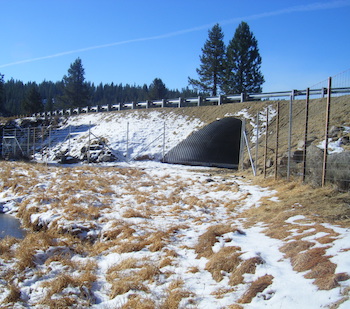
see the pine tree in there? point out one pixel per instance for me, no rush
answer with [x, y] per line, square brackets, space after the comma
[33, 101]
[211, 70]
[243, 63]
[157, 90]
[76, 92]
[2, 94]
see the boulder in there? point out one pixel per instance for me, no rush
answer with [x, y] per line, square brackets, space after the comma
[338, 171]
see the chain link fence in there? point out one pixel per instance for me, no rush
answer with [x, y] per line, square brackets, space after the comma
[306, 139]
[70, 144]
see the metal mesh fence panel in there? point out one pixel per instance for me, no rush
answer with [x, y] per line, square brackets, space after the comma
[307, 138]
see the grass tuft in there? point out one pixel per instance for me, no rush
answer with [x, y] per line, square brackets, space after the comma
[14, 294]
[139, 302]
[174, 295]
[246, 267]
[256, 287]
[209, 238]
[227, 259]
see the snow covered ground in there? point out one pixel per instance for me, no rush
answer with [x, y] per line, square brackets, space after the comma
[152, 235]
[130, 135]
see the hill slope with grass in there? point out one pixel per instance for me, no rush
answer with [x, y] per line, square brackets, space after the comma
[149, 235]
[140, 132]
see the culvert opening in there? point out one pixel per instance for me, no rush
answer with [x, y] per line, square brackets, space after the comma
[217, 145]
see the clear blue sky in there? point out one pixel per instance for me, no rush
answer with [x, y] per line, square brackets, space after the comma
[301, 42]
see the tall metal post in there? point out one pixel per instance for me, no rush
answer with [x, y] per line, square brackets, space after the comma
[89, 144]
[28, 142]
[266, 138]
[127, 142]
[42, 143]
[163, 142]
[49, 143]
[241, 152]
[257, 141]
[70, 132]
[277, 138]
[249, 154]
[199, 101]
[306, 130]
[290, 134]
[34, 141]
[325, 152]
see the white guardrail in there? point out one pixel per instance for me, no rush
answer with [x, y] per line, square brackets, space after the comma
[195, 101]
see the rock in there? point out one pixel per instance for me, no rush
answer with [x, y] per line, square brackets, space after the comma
[345, 140]
[338, 171]
[269, 163]
[106, 157]
[283, 161]
[298, 156]
[68, 160]
[300, 145]
[335, 131]
[145, 157]
[314, 163]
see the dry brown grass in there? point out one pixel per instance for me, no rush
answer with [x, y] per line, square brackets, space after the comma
[256, 287]
[13, 296]
[293, 248]
[309, 259]
[318, 205]
[158, 240]
[221, 292]
[174, 295]
[123, 265]
[319, 267]
[131, 274]
[125, 284]
[57, 286]
[227, 259]
[246, 267]
[133, 244]
[27, 248]
[139, 302]
[209, 238]
[140, 212]
[6, 245]
[119, 228]
[327, 203]
[166, 261]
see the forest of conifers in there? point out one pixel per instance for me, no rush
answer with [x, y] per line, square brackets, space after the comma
[15, 92]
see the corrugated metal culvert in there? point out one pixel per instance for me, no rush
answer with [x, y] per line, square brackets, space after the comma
[217, 144]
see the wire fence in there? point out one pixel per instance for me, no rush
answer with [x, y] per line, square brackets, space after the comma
[72, 144]
[306, 139]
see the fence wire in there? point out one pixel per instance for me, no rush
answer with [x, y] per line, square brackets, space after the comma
[306, 139]
[78, 143]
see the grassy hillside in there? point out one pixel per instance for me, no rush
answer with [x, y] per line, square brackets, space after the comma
[339, 116]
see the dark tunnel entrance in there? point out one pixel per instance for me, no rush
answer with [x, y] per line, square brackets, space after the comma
[217, 144]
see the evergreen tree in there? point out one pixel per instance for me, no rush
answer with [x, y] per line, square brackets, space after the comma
[211, 71]
[157, 90]
[2, 94]
[243, 63]
[76, 92]
[33, 101]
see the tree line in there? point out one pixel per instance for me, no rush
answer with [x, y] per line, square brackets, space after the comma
[18, 98]
[224, 69]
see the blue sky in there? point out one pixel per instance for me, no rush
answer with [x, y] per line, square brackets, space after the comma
[134, 41]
